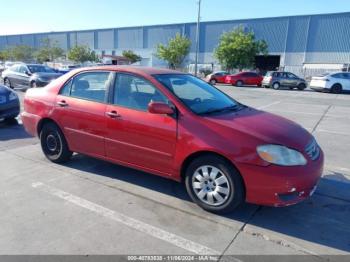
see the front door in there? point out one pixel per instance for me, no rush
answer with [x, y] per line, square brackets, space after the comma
[135, 136]
[80, 112]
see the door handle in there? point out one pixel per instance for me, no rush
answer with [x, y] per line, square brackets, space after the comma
[62, 103]
[113, 114]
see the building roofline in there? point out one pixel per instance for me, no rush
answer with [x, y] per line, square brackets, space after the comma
[179, 24]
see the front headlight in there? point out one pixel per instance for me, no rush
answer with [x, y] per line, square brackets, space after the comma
[281, 155]
[13, 96]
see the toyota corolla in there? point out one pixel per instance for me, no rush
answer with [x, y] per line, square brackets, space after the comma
[177, 126]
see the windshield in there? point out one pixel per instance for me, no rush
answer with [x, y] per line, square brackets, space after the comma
[40, 69]
[197, 95]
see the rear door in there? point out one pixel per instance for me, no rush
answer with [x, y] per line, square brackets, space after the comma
[80, 111]
[23, 76]
[135, 136]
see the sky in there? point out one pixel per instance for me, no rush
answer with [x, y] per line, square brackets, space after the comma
[32, 16]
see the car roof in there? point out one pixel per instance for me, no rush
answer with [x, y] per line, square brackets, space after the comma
[132, 69]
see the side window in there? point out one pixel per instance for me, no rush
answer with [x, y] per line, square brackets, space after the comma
[337, 75]
[22, 69]
[135, 92]
[91, 86]
[252, 75]
[65, 90]
[290, 75]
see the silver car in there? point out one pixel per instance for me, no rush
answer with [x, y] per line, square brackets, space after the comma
[276, 80]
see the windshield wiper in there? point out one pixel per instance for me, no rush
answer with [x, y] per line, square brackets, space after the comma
[220, 110]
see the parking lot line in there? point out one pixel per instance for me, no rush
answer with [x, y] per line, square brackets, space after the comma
[128, 221]
[333, 132]
[268, 105]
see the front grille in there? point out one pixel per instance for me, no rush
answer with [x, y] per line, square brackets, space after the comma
[313, 150]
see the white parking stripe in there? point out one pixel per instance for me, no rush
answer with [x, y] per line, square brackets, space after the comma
[128, 221]
[268, 105]
[332, 132]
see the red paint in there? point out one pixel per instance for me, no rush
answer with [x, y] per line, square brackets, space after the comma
[160, 143]
[247, 78]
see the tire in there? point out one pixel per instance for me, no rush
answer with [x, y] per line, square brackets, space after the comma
[33, 84]
[7, 83]
[301, 86]
[336, 89]
[209, 195]
[276, 85]
[239, 83]
[213, 82]
[54, 144]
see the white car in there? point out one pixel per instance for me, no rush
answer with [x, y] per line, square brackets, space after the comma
[334, 82]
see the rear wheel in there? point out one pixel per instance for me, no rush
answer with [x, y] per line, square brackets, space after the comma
[239, 83]
[336, 89]
[54, 144]
[301, 86]
[214, 184]
[213, 82]
[276, 85]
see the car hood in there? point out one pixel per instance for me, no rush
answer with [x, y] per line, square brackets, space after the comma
[264, 126]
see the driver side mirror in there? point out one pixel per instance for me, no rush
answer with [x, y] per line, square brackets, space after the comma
[160, 108]
[27, 73]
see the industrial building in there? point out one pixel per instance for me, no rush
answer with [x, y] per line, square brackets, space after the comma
[300, 44]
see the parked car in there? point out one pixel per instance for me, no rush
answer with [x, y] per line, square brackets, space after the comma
[67, 68]
[9, 103]
[177, 126]
[244, 78]
[334, 82]
[28, 75]
[276, 80]
[216, 77]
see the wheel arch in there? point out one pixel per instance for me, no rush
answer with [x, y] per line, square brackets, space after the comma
[44, 121]
[198, 154]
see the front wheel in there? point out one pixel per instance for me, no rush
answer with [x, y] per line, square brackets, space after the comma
[54, 144]
[301, 86]
[214, 184]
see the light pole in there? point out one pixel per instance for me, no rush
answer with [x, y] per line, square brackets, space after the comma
[197, 37]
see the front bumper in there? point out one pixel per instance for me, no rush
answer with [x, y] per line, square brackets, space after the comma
[281, 186]
[10, 109]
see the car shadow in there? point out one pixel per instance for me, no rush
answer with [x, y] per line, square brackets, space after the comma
[322, 219]
[11, 129]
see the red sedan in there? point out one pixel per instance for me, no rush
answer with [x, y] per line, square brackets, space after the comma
[244, 78]
[177, 126]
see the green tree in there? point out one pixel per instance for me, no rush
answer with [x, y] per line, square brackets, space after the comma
[22, 53]
[131, 56]
[49, 51]
[237, 49]
[5, 55]
[175, 52]
[81, 54]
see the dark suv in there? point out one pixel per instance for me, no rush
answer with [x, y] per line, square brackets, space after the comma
[277, 79]
[28, 75]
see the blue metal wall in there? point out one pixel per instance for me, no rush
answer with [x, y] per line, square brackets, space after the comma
[298, 39]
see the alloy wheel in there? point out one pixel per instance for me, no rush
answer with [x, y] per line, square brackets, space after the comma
[211, 185]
